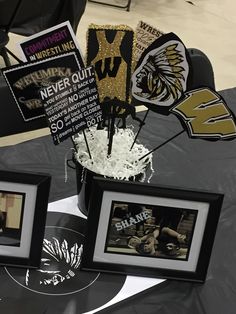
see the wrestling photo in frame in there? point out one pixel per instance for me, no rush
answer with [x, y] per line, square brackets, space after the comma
[23, 210]
[152, 231]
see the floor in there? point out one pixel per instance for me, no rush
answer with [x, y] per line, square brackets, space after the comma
[209, 25]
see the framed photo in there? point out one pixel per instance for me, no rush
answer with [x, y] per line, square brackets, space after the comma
[23, 210]
[148, 230]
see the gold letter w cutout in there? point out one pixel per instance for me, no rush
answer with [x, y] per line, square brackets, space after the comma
[206, 115]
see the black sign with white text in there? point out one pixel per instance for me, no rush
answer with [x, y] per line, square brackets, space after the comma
[72, 104]
[25, 81]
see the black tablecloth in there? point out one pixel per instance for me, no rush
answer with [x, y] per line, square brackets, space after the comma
[184, 163]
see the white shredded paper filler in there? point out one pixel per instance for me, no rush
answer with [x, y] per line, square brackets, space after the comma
[122, 164]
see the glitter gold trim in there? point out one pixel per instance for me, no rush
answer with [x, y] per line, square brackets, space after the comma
[113, 70]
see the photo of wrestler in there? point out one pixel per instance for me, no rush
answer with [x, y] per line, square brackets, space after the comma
[150, 230]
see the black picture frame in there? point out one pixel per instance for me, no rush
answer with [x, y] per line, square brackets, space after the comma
[109, 230]
[23, 208]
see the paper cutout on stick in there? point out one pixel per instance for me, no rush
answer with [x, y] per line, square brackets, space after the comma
[145, 36]
[25, 81]
[51, 42]
[72, 104]
[204, 114]
[162, 73]
[110, 51]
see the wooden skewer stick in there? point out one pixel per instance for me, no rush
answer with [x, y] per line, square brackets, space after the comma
[159, 146]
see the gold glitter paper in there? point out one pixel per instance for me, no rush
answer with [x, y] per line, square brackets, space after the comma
[113, 60]
[213, 120]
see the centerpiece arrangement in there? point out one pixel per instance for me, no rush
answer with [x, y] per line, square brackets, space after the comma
[94, 102]
[110, 148]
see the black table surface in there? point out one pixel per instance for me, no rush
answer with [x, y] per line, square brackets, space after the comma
[183, 163]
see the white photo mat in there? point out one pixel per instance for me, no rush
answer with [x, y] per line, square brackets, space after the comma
[103, 224]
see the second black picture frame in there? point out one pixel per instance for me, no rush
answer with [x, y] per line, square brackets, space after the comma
[152, 231]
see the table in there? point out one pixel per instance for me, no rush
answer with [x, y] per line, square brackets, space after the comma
[184, 162]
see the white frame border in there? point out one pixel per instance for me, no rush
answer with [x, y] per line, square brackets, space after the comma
[103, 224]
